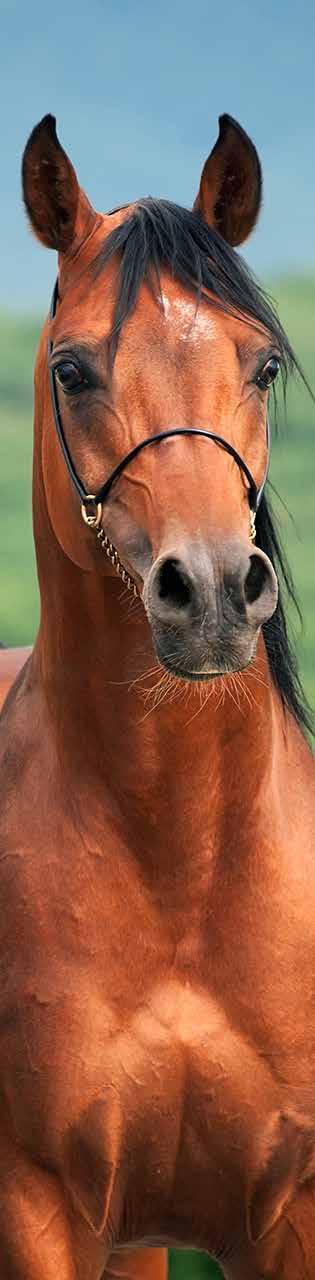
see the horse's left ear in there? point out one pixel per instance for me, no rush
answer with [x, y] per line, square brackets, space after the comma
[58, 210]
[230, 190]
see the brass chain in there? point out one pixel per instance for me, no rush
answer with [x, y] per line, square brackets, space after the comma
[91, 512]
[252, 525]
[113, 556]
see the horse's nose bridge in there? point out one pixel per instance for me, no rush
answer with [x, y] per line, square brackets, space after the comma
[197, 488]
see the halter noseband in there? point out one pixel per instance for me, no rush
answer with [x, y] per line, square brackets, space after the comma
[92, 503]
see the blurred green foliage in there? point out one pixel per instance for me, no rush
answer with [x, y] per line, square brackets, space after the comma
[292, 473]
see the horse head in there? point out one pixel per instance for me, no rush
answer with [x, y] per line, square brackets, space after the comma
[160, 337]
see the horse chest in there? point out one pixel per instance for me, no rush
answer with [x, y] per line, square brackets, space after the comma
[151, 1117]
[135, 1082]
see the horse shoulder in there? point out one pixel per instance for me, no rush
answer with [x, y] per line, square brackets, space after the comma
[12, 662]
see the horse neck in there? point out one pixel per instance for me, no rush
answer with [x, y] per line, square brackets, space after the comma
[180, 765]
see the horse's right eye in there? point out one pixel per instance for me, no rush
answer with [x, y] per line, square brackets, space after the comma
[70, 376]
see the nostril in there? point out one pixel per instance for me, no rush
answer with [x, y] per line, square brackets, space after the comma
[256, 579]
[173, 584]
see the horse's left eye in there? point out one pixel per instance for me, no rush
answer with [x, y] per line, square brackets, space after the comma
[268, 374]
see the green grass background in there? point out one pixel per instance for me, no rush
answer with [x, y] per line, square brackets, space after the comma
[292, 472]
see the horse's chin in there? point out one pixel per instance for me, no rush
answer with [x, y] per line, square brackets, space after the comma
[200, 654]
[208, 671]
[191, 677]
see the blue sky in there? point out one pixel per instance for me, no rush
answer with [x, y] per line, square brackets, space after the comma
[137, 89]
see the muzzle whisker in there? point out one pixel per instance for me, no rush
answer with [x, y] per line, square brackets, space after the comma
[161, 691]
[257, 678]
[145, 675]
[232, 691]
[221, 693]
[157, 691]
[248, 695]
[202, 704]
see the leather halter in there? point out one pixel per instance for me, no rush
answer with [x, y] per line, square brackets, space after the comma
[92, 503]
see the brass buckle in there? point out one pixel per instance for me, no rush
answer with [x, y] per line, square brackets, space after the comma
[92, 518]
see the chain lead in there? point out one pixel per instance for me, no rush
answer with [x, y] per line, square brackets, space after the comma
[91, 512]
[252, 525]
[113, 556]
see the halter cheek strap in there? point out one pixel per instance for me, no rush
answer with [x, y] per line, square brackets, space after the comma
[92, 503]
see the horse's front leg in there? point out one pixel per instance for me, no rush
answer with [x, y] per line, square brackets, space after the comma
[137, 1264]
[287, 1252]
[40, 1236]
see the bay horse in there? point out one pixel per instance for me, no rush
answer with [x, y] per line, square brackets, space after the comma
[157, 789]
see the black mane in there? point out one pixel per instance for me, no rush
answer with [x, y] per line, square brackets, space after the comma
[161, 234]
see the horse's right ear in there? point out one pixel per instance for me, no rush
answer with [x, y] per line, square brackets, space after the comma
[58, 209]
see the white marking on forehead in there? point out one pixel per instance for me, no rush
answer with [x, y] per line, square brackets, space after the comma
[165, 302]
[189, 322]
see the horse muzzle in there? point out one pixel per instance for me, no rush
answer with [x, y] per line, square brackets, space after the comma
[206, 608]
